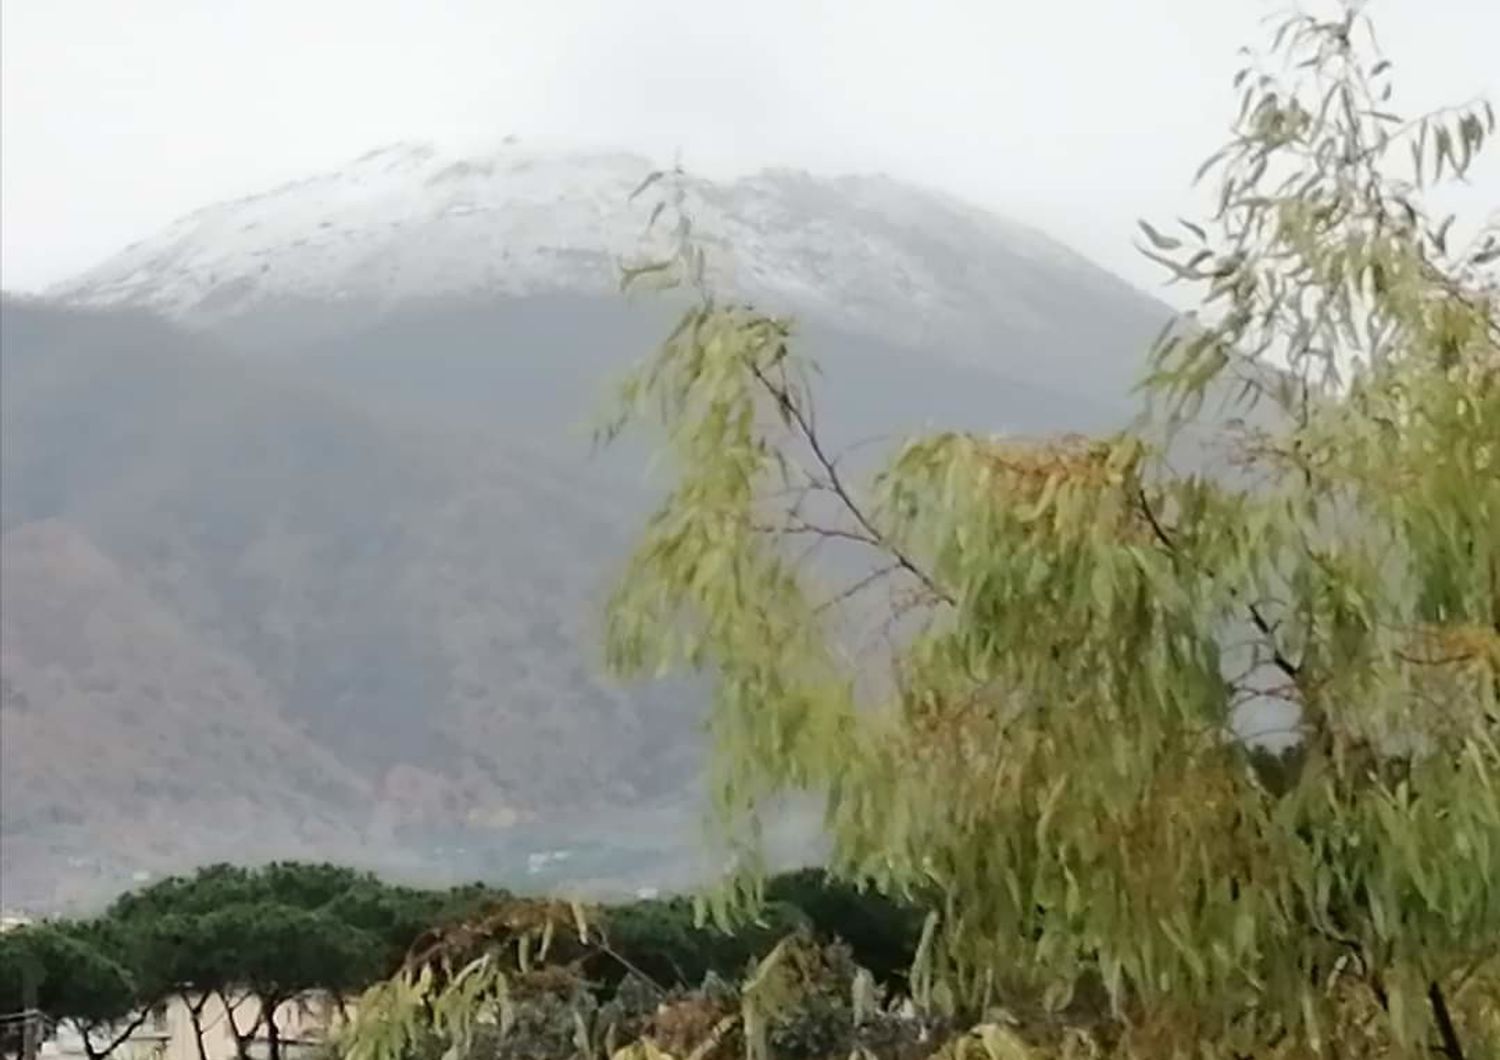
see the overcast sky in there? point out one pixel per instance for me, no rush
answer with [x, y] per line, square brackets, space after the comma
[1075, 115]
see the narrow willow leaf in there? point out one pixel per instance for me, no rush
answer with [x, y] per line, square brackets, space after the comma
[650, 179]
[1158, 240]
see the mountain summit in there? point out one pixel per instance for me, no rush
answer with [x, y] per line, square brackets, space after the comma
[410, 223]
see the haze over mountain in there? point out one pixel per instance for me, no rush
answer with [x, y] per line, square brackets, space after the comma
[304, 554]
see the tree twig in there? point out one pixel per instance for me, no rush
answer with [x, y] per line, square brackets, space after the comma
[800, 528]
[798, 417]
[119, 1039]
[863, 583]
[1453, 1048]
[1266, 628]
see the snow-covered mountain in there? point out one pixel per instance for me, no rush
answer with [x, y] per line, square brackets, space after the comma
[337, 493]
[409, 222]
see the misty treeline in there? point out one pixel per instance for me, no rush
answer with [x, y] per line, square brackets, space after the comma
[250, 942]
[1045, 735]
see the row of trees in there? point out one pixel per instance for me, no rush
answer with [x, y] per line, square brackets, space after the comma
[252, 938]
[255, 939]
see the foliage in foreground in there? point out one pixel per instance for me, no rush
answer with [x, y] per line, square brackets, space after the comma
[524, 985]
[1049, 731]
[287, 931]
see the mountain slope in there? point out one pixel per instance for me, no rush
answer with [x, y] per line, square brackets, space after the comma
[119, 719]
[416, 607]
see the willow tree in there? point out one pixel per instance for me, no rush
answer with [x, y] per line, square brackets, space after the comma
[1046, 737]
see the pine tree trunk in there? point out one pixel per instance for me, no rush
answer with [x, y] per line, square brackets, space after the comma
[195, 1017]
[273, 1032]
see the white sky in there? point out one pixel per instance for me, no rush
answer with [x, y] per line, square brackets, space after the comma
[1076, 115]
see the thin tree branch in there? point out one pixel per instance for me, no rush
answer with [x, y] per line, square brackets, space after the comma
[1453, 1048]
[835, 482]
[609, 951]
[1441, 660]
[798, 529]
[863, 583]
[124, 1036]
[1267, 630]
[243, 1039]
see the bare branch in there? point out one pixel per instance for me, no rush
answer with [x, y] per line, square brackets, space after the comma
[863, 583]
[802, 529]
[835, 482]
[1267, 629]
